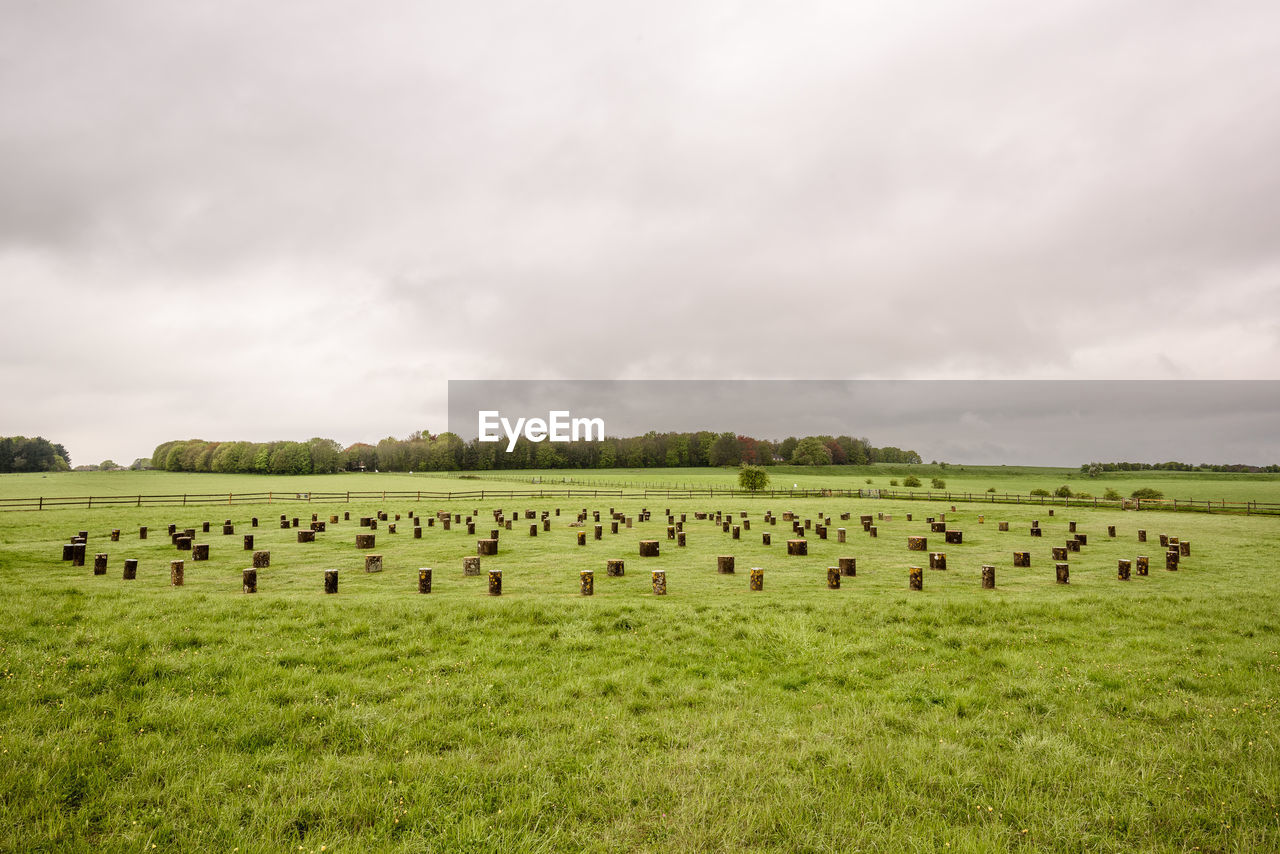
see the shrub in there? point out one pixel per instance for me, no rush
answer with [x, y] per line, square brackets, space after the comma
[1042, 493]
[1111, 494]
[991, 489]
[938, 483]
[1063, 491]
[911, 481]
[1146, 492]
[753, 478]
[893, 483]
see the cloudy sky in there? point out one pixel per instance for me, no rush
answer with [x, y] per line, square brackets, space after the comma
[258, 221]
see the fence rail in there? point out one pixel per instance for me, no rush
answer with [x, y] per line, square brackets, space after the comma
[232, 498]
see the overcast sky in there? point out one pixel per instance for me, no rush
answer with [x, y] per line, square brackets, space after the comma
[241, 220]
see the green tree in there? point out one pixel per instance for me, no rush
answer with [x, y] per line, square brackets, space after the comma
[810, 451]
[911, 482]
[753, 478]
[938, 483]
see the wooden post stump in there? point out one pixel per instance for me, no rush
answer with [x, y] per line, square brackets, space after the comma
[833, 578]
[1142, 536]
[228, 529]
[1050, 512]
[1082, 539]
[1164, 540]
[448, 525]
[598, 532]
[766, 538]
[1122, 569]
[346, 515]
[1036, 532]
[680, 541]
[1071, 527]
[417, 532]
[1184, 548]
[988, 577]
[915, 578]
[798, 548]
[613, 527]
[487, 547]
[937, 560]
[373, 563]
[1144, 564]
[99, 564]
[1022, 558]
[333, 520]
[1073, 545]
[365, 541]
[1111, 530]
[615, 568]
[587, 582]
[248, 542]
[582, 538]
[295, 522]
[649, 548]
[391, 528]
[724, 564]
[848, 566]
[261, 559]
[1063, 572]
[1171, 560]
[1002, 526]
[331, 581]
[659, 582]
[1059, 553]
[756, 581]
[115, 535]
[937, 527]
[200, 551]
[533, 530]
[204, 527]
[917, 544]
[176, 573]
[68, 551]
[253, 523]
[184, 544]
[471, 566]
[495, 582]
[249, 581]
[173, 529]
[724, 526]
[737, 532]
[471, 529]
[306, 536]
[873, 531]
[954, 538]
[142, 532]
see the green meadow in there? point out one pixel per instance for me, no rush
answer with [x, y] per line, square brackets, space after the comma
[1101, 715]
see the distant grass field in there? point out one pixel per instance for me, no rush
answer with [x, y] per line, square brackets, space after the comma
[1098, 716]
[974, 479]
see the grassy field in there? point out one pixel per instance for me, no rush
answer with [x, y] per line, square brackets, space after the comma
[974, 479]
[1098, 716]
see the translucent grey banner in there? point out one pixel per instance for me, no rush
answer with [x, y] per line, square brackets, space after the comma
[992, 422]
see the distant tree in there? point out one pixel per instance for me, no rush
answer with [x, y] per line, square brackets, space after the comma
[810, 451]
[108, 465]
[787, 448]
[1093, 469]
[753, 478]
[725, 450]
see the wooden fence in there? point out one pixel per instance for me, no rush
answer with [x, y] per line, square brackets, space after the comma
[233, 498]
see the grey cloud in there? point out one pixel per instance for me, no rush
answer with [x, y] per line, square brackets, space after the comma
[396, 196]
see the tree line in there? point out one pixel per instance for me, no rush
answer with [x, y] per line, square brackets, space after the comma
[21, 454]
[1094, 469]
[424, 451]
